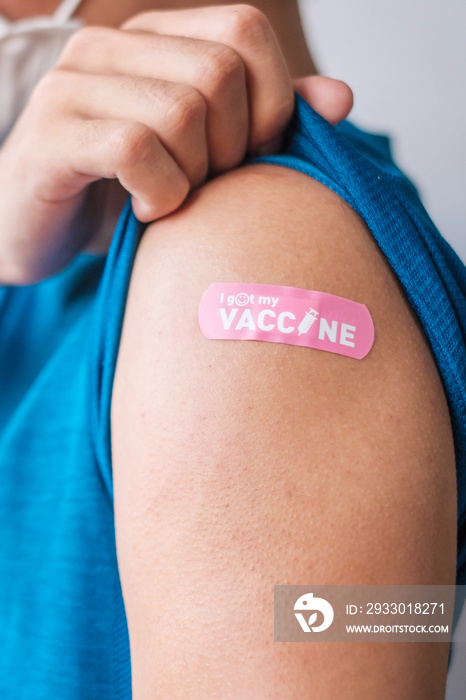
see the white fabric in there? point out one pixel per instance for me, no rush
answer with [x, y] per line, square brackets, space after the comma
[66, 10]
[29, 48]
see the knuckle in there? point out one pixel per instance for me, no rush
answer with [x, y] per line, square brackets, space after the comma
[132, 144]
[82, 41]
[247, 24]
[49, 83]
[186, 111]
[48, 90]
[220, 68]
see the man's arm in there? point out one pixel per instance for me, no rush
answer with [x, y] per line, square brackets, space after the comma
[240, 465]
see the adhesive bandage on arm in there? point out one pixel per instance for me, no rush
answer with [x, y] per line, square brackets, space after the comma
[235, 311]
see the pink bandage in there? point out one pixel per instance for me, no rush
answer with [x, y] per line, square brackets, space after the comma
[235, 311]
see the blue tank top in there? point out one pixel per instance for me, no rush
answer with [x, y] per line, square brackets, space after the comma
[62, 618]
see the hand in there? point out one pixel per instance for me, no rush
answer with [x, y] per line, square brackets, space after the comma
[156, 105]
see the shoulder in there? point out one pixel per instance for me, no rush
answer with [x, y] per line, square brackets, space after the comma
[234, 460]
[278, 223]
[266, 224]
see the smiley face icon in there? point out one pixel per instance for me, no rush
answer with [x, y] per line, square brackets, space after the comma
[242, 299]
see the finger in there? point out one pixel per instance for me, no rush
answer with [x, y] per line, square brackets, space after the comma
[216, 71]
[246, 30]
[175, 113]
[332, 99]
[121, 149]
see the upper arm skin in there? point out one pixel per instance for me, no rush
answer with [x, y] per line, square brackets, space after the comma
[240, 465]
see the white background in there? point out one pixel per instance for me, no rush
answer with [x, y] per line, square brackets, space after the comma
[406, 63]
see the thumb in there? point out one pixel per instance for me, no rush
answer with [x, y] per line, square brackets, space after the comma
[332, 99]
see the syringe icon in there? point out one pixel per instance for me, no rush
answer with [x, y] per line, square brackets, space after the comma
[309, 318]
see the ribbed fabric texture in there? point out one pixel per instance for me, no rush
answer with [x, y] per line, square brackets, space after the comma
[64, 632]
